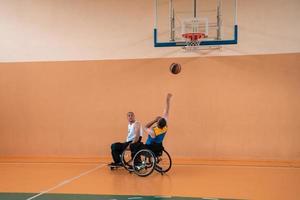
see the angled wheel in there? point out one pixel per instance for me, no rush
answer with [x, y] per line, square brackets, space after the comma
[126, 160]
[163, 162]
[144, 162]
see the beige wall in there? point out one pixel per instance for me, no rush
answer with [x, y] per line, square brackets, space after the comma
[239, 107]
[34, 30]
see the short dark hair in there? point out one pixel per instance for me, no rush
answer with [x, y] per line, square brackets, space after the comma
[161, 123]
[130, 113]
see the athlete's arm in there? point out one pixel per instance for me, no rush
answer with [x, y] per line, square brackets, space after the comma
[150, 132]
[137, 128]
[148, 126]
[167, 107]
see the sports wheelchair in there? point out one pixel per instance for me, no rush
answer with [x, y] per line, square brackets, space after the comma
[145, 161]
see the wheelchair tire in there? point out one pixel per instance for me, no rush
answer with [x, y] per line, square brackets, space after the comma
[163, 162]
[144, 162]
[126, 160]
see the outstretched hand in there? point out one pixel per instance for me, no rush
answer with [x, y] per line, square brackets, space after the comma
[169, 95]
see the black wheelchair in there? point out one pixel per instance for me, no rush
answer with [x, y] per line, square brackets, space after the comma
[145, 161]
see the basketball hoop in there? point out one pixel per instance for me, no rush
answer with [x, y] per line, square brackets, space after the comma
[193, 32]
[193, 40]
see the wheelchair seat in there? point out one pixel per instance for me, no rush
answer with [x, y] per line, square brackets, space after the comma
[156, 148]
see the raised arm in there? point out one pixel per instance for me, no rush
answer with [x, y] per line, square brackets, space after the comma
[149, 124]
[148, 129]
[167, 107]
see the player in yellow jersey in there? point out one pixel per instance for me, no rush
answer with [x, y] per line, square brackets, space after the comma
[156, 130]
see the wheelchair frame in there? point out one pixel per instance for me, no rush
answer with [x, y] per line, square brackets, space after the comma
[145, 162]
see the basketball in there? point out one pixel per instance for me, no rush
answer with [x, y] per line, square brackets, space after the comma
[175, 68]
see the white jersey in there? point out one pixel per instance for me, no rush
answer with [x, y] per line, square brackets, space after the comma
[131, 135]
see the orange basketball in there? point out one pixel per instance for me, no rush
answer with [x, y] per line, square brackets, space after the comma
[175, 68]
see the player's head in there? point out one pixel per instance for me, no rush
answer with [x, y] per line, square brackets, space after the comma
[131, 117]
[161, 123]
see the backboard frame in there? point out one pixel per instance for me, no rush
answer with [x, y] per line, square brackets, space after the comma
[182, 43]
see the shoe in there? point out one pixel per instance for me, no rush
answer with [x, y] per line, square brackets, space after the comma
[139, 167]
[113, 164]
[130, 167]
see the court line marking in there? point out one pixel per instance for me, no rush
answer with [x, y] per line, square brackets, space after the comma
[66, 182]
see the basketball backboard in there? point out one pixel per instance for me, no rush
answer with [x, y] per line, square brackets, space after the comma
[216, 20]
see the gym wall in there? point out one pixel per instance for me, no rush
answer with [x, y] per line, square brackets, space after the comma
[236, 107]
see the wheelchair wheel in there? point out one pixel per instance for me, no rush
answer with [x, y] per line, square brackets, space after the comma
[126, 160]
[144, 162]
[163, 162]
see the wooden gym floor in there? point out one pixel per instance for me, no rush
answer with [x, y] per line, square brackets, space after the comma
[59, 180]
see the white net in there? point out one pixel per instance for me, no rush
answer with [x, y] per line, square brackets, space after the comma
[193, 31]
[193, 41]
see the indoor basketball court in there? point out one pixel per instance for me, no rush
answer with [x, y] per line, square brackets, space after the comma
[149, 99]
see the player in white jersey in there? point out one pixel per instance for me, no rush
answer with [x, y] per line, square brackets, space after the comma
[134, 136]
